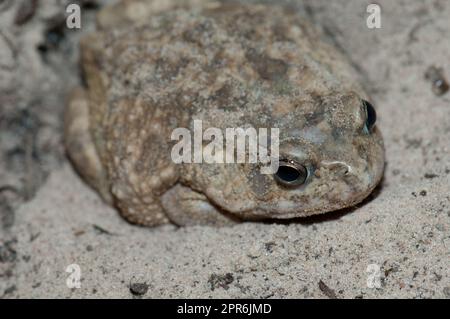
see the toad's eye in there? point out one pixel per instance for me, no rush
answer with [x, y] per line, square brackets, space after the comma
[291, 174]
[371, 116]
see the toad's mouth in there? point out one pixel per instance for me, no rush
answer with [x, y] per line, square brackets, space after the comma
[287, 209]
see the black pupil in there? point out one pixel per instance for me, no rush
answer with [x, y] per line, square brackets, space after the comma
[371, 115]
[288, 173]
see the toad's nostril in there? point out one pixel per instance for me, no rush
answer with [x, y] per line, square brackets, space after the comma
[339, 168]
[345, 170]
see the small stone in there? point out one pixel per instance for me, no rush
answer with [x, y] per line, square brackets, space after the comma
[269, 246]
[439, 84]
[221, 281]
[139, 288]
[330, 293]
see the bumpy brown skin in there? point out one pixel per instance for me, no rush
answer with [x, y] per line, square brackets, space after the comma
[229, 66]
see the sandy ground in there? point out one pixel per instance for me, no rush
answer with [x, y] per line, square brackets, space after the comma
[399, 237]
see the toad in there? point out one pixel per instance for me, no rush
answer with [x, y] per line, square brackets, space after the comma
[148, 72]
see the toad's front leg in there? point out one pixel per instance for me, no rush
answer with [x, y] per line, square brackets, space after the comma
[186, 207]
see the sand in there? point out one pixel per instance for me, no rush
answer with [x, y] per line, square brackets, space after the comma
[394, 245]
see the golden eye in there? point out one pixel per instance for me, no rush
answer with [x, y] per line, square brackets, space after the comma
[290, 173]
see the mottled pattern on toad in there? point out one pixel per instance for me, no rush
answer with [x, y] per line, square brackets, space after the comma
[228, 65]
